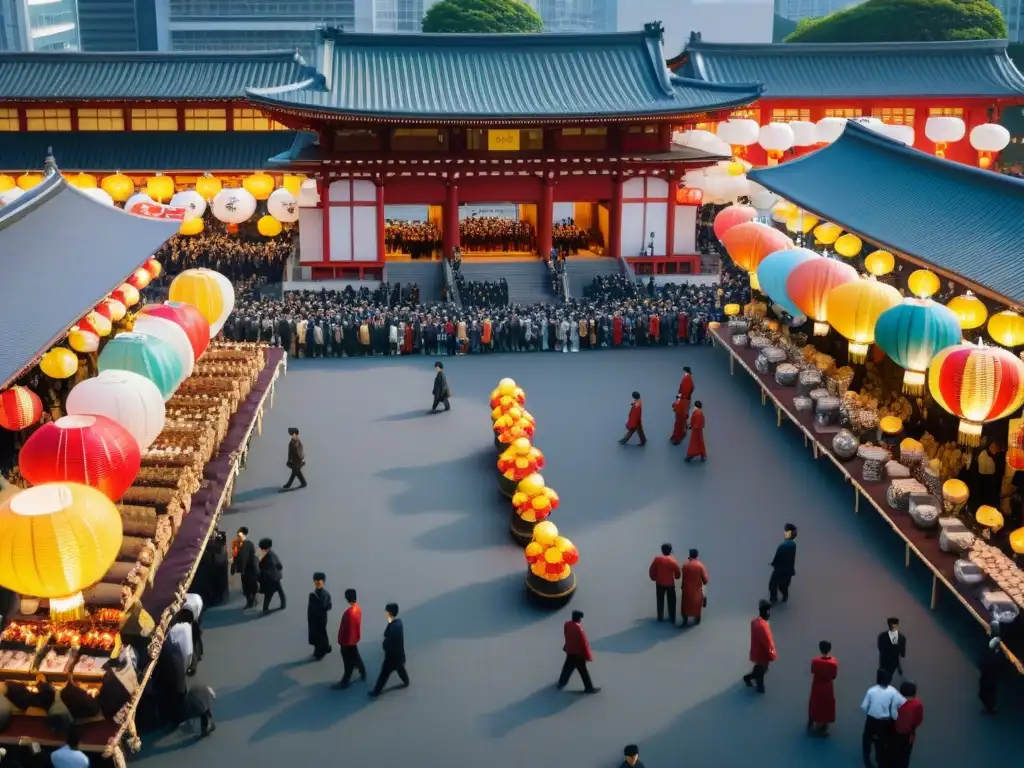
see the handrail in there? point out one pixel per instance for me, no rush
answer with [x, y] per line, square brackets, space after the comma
[627, 271]
[451, 283]
[565, 286]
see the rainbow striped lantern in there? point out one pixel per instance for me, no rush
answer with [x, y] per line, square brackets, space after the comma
[912, 333]
[148, 356]
[978, 384]
[774, 271]
[854, 308]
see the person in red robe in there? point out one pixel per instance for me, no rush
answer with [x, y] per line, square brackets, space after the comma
[617, 330]
[696, 446]
[664, 571]
[577, 653]
[407, 341]
[635, 421]
[908, 719]
[349, 634]
[686, 385]
[762, 647]
[821, 709]
[682, 328]
[679, 408]
[654, 328]
[694, 579]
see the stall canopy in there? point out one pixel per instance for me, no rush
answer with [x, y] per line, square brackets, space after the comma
[962, 221]
[61, 252]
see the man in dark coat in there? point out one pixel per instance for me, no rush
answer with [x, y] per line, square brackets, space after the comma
[271, 572]
[892, 648]
[441, 390]
[296, 460]
[783, 566]
[316, 616]
[247, 564]
[394, 652]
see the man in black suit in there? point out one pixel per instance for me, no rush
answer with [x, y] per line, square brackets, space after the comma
[783, 566]
[247, 564]
[394, 651]
[441, 390]
[296, 460]
[892, 647]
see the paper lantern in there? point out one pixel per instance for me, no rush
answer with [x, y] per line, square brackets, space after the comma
[776, 138]
[689, 196]
[160, 188]
[59, 363]
[20, 408]
[809, 285]
[191, 227]
[82, 341]
[96, 323]
[118, 186]
[775, 270]
[978, 384]
[292, 183]
[56, 540]
[153, 267]
[147, 356]
[173, 334]
[943, 131]
[901, 133]
[989, 139]
[100, 196]
[131, 400]
[912, 333]
[848, 245]
[199, 288]
[1017, 541]
[854, 309]
[1006, 328]
[801, 223]
[139, 279]
[762, 199]
[268, 226]
[879, 263]
[970, 309]
[191, 320]
[731, 310]
[923, 283]
[545, 533]
[829, 129]
[142, 198]
[29, 180]
[783, 211]
[7, 182]
[955, 491]
[738, 133]
[227, 294]
[989, 517]
[233, 206]
[208, 186]
[126, 294]
[749, 244]
[259, 185]
[729, 217]
[283, 206]
[193, 203]
[827, 233]
[88, 449]
[82, 181]
[891, 425]
[10, 196]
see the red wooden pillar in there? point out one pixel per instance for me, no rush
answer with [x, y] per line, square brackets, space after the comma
[545, 217]
[380, 220]
[324, 183]
[450, 233]
[670, 225]
[615, 219]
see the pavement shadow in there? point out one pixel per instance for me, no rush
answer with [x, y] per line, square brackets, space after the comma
[418, 413]
[263, 693]
[541, 704]
[253, 494]
[644, 635]
[321, 709]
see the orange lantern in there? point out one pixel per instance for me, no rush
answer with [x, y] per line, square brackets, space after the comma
[293, 183]
[113, 309]
[809, 285]
[160, 188]
[82, 340]
[750, 243]
[729, 217]
[83, 181]
[29, 180]
[689, 196]
[208, 186]
[259, 185]
[96, 323]
[20, 408]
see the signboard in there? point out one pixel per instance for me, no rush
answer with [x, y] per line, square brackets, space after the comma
[503, 141]
[158, 211]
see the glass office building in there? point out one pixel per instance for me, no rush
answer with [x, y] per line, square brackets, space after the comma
[39, 25]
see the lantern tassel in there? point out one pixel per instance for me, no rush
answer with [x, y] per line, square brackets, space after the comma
[755, 284]
[70, 608]
[821, 329]
[913, 382]
[858, 352]
[969, 433]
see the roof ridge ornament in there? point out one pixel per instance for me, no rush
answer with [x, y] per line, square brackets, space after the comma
[654, 29]
[50, 164]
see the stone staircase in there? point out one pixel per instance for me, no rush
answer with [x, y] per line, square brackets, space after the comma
[428, 275]
[581, 273]
[528, 281]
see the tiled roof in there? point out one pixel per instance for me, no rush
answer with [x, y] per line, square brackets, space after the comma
[145, 150]
[481, 77]
[979, 68]
[958, 218]
[138, 76]
[109, 243]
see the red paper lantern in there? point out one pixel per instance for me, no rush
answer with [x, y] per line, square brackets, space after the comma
[188, 317]
[20, 408]
[104, 310]
[729, 217]
[154, 268]
[91, 450]
[139, 279]
[689, 196]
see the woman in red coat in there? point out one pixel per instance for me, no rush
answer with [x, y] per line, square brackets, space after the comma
[821, 709]
[762, 647]
[679, 408]
[617, 331]
[696, 446]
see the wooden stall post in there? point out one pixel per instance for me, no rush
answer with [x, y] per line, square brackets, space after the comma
[856, 500]
[732, 364]
[935, 590]
[778, 416]
[906, 559]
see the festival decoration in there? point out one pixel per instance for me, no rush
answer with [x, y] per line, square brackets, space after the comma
[511, 426]
[805, 133]
[139, 279]
[87, 449]
[970, 309]
[20, 408]
[154, 267]
[233, 206]
[199, 288]
[912, 333]
[776, 138]
[208, 186]
[550, 558]
[190, 227]
[827, 233]
[56, 540]
[98, 195]
[516, 462]
[193, 203]
[1006, 328]
[188, 317]
[989, 139]
[118, 186]
[127, 398]
[83, 341]
[59, 363]
[801, 223]
[848, 245]
[283, 206]
[170, 332]
[689, 196]
[731, 310]
[126, 294]
[923, 283]
[533, 500]
[147, 356]
[10, 196]
[978, 384]
[783, 211]
[943, 131]
[775, 270]
[7, 182]
[227, 293]
[137, 199]
[761, 198]
[292, 183]
[268, 226]
[29, 180]
[730, 216]
[516, 393]
[260, 185]
[828, 129]
[94, 322]
[748, 245]
[739, 133]
[854, 309]
[879, 263]
[1017, 541]
[989, 517]
[82, 180]
[160, 187]
[809, 285]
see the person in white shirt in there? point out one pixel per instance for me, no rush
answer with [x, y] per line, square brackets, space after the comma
[180, 637]
[69, 756]
[880, 706]
[194, 604]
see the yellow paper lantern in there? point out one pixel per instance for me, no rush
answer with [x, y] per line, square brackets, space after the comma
[59, 363]
[923, 283]
[827, 233]
[259, 185]
[293, 183]
[531, 485]
[6, 182]
[506, 387]
[989, 517]
[783, 211]
[201, 290]
[83, 341]
[552, 555]
[735, 168]
[28, 180]
[955, 491]
[731, 310]
[191, 227]
[208, 186]
[83, 181]
[1006, 328]
[854, 308]
[1017, 541]
[970, 310]
[891, 425]
[545, 533]
[118, 186]
[879, 263]
[534, 550]
[848, 245]
[268, 226]
[160, 188]
[801, 223]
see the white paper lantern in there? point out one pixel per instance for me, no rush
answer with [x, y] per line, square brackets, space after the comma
[10, 196]
[283, 206]
[138, 197]
[944, 130]
[173, 334]
[901, 133]
[762, 199]
[830, 128]
[99, 195]
[233, 206]
[990, 137]
[805, 133]
[736, 187]
[705, 141]
[309, 197]
[776, 137]
[191, 201]
[227, 292]
[871, 123]
[738, 131]
[133, 401]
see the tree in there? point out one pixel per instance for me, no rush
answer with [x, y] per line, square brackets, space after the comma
[878, 21]
[482, 17]
[782, 28]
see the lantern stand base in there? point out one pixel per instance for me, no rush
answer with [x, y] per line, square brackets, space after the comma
[521, 530]
[550, 595]
[506, 486]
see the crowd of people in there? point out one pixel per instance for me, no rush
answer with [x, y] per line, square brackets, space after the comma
[419, 239]
[496, 233]
[238, 257]
[568, 239]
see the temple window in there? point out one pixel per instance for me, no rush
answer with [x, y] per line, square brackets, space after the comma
[511, 140]
[846, 112]
[789, 115]
[419, 139]
[894, 115]
[154, 119]
[946, 112]
[9, 120]
[643, 128]
[746, 114]
[206, 120]
[254, 120]
[48, 119]
[101, 120]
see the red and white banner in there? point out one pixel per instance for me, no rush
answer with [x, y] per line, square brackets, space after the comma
[158, 211]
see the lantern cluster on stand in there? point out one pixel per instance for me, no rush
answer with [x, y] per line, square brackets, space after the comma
[550, 558]
[532, 503]
[516, 462]
[509, 418]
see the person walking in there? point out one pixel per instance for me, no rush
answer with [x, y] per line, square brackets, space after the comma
[892, 648]
[880, 707]
[762, 647]
[394, 652]
[631, 757]
[635, 421]
[296, 460]
[316, 616]
[199, 706]
[577, 653]
[441, 390]
[783, 566]
[686, 386]
[679, 408]
[696, 447]
[247, 565]
[821, 708]
[908, 720]
[694, 579]
[349, 634]
[270, 575]
[663, 572]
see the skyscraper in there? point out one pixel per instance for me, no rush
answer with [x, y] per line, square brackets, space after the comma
[578, 15]
[802, 9]
[399, 15]
[29, 25]
[1012, 11]
[117, 25]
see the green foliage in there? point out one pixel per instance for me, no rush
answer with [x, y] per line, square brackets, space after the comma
[782, 28]
[482, 17]
[879, 21]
